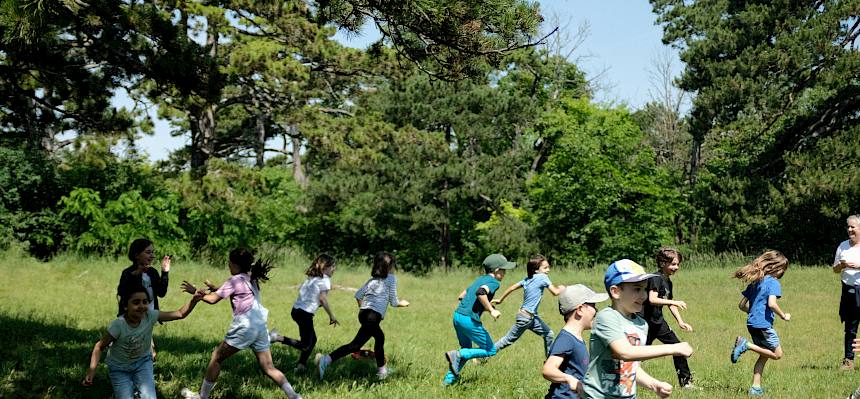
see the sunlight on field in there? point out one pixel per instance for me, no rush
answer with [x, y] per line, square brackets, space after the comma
[52, 313]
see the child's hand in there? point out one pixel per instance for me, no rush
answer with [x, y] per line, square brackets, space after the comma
[198, 295]
[681, 304]
[333, 321]
[495, 313]
[88, 379]
[787, 317]
[188, 287]
[165, 264]
[684, 349]
[662, 389]
[496, 302]
[575, 386]
[211, 286]
[402, 303]
[685, 326]
[856, 344]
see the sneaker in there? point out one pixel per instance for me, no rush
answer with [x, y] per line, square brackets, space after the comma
[323, 361]
[756, 391]
[300, 368]
[383, 373]
[855, 394]
[274, 336]
[739, 349]
[690, 387]
[449, 380]
[453, 358]
[847, 365]
[189, 394]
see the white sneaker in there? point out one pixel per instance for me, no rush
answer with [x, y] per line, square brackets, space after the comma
[274, 336]
[383, 373]
[189, 394]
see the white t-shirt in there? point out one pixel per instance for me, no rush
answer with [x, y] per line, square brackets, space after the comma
[309, 293]
[846, 252]
[147, 283]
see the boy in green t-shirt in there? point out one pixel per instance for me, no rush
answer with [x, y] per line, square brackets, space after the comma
[618, 336]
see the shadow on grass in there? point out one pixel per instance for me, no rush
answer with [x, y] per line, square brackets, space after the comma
[49, 360]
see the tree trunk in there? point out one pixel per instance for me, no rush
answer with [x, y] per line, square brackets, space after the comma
[203, 140]
[298, 167]
[261, 140]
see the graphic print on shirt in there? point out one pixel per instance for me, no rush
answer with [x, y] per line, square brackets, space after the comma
[627, 370]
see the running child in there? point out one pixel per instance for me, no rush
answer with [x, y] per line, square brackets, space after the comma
[373, 299]
[568, 357]
[248, 328]
[537, 270]
[312, 294]
[618, 338]
[127, 342]
[474, 300]
[759, 303]
[660, 294]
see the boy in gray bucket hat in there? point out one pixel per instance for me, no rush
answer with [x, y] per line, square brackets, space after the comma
[568, 357]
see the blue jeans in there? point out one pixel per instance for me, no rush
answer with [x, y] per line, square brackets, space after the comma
[469, 332]
[137, 376]
[525, 322]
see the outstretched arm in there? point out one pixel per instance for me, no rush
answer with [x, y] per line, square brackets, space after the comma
[210, 298]
[555, 289]
[676, 313]
[507, 292]
[96, 356]
[622, 349]
[184, 311]
[655, 299]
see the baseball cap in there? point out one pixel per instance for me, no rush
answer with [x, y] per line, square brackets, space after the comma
[624, 271]
[575, 295]
[498, 261]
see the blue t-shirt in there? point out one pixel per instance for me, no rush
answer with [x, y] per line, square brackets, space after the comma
[760, 315]
[575, 363]
[469, 305]
[533, 291]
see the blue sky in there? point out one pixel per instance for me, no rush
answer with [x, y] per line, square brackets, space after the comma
[621, 45]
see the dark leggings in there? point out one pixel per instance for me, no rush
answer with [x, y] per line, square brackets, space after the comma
[665, 334]
[369, 320]
[308, 336]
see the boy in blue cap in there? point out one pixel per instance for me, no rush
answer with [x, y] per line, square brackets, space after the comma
[474, 300]
[618, 336]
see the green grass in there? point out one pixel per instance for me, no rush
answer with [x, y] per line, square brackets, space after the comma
[51, 314]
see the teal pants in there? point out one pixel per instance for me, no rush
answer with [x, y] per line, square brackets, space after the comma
[470, 332]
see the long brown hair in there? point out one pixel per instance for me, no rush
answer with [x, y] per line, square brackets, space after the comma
[383, 263]
[770, 263]
[319, 265]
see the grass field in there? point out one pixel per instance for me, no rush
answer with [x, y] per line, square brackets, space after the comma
[52, 313]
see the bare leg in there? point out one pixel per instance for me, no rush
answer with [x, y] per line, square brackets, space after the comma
[220, 354]
[264, 359]
[775, 354]
[758, 369]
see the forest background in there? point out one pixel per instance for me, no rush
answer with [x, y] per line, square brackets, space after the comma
[466, 129]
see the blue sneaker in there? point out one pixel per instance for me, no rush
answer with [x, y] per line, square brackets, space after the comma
[453, 358]
[756, 391]
[450, 379]
[739, 349]
[323, 361]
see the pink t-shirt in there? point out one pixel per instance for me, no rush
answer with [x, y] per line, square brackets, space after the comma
[241, 297]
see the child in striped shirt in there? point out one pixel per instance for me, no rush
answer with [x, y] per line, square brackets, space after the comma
[373, 300]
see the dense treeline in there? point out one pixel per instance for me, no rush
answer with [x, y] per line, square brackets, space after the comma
[459, 133]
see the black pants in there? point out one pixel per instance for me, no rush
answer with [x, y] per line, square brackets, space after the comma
[370, 328]
[307, 334]
[665, 334]
[849, 312]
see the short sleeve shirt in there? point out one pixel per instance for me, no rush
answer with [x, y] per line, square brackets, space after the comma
[845, 251]
[575, 355]
[469, 305]
[653, 314]
[608, 377]
[533, 291]
[309, 293]
[237, 288]
[130, 343]
[760, 315]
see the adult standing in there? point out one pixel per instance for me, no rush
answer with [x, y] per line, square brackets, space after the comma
[141, 253]
[847, 263]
